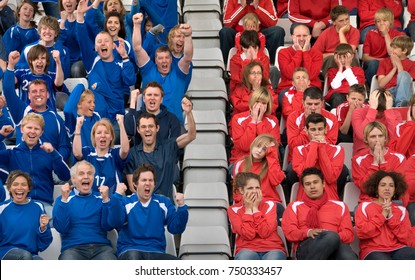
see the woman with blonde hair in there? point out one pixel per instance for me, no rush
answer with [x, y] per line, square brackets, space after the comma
[252, 78]
[108, 161]
[247, 125]
[263, 160]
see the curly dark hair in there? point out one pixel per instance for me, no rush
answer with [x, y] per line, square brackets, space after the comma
[371, 184]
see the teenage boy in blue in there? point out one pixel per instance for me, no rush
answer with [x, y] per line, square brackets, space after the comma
[37, 158]
[173, 79]
[39, 59]
[24, 226]
[55, 132]
[152, 98]
[163, 155]
[109, 78]
[49, 30]
[142, 217]
[81, 217]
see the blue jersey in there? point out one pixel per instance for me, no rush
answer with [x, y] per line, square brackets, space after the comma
[5, 120]
[70, 111]
[25, 77]
[68, 38]
[142, 225]
[108, 80]
[174, 85]
[169, 125]
[164, 159]
[81, 220]
[19, 227]
[16, 38]
[54, 133]
[108, 168]
[40, 165]
[63, 54]
[2, 192]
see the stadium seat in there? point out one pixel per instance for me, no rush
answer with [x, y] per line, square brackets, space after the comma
[196, 9]
[374, 84]
[57, 191]
[170, 243]
[360, 53]
[7, 193]
[280, 192]
[208, 62]
[286, 24]
[281, 234]
[54, 249]
[208, 93]
[206, 195]
[204, 163]
[285, 159]
[201, 217]
[211, 127]
[355, 244]
[71, 83]
[294, 191]
[276, 56]
[325, 85]
[232, 52]
[351, 196]
[112, 236]
[205, 32]
[204, 243]
[348, 154]
[13, 4]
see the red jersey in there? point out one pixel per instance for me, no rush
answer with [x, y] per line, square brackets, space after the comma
[297, 136]
[289, 59]
[411, 10]
[329, 39]
[376, 233]
[367, 9]
[362, 116]
[375, 44]
[385, 66]
[343, 109]
[333, 215]
[258, 231]
[233, 14]
[328, 158]
[282, 7]
[409, 172]
[362, 168]
[306, 12]
[292, 101]
[244, 131]
[241, 95]
[341, 81]
[238, 63]
[403, 141]
[268, 184]
[260, 36]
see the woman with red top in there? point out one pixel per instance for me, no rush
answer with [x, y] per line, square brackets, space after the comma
[383, 226]
[246, 126]
[254, 222]
[250, 50]
[263, 160]
[252, 79]
[379, 157]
